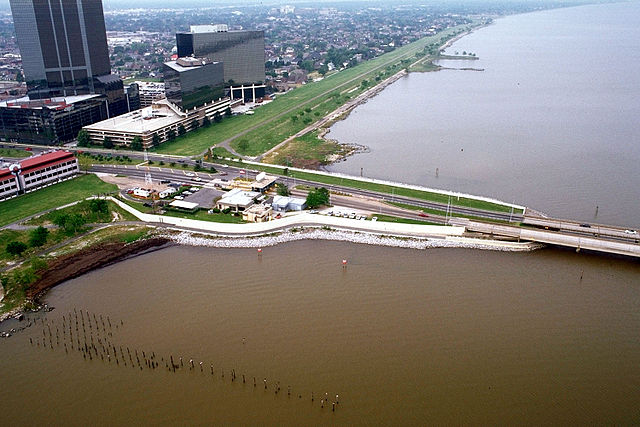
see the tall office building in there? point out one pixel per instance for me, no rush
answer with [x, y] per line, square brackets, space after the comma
[193, 82]
[63, 44]
[65, 59]
[241, 52]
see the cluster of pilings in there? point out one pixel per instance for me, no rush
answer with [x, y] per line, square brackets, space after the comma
[91, 335]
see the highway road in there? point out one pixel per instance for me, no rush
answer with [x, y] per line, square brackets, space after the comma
[234, 171]
[178, 175]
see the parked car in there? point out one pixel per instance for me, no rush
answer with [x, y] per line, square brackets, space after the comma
[374, 219]
[197, 179]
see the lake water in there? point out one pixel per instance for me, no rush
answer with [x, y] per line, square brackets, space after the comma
[404, 337]
[551, 122]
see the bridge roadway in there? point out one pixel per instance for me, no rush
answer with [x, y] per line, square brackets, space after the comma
[579, 240]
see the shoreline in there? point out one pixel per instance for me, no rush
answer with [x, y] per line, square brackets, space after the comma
[192, 238]
[73, 265]
[94, 257]
[343, 112]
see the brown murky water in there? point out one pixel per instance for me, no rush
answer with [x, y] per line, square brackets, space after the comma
[405, 337]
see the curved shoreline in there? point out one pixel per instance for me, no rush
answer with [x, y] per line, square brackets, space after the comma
[191, 238]
[342, 113]
[92, 258]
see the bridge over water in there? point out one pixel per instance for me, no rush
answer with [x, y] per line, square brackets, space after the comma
[592, 237]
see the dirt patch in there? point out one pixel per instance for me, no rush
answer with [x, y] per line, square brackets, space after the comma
[76, 264]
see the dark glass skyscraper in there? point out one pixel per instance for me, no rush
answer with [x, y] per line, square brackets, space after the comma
[241, 52]
[63, 44]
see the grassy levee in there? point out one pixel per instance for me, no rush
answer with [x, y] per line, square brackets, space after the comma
[51, 197]
[442, 213]
[381, 188]
[399, 220]
[292, 103]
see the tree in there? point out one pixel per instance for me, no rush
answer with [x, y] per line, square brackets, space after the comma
[70, 223]
[155, 140]
[181, 130]
[217, 117]
[99, 206]
[38, 237]
[282, 190]
[318, 197]
[16, 248]
[136, 144]
[206, 121]
[107, 142]
[171, 135]
[227, 112]
[83, 138]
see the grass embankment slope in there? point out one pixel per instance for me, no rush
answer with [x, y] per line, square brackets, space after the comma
[273, 123]
[387, 189]
[52, 197]
[307, 151]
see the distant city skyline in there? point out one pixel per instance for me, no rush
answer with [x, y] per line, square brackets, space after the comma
[185, 4]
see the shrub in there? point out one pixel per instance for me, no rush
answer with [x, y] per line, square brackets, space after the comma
[16, 248]
[38, 237]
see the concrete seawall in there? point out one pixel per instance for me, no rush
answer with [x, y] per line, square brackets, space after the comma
[326, 228]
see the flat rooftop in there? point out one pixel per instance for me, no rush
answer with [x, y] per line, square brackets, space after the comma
[146, 120]
[185, 64]
[53, 103]
[238, 197]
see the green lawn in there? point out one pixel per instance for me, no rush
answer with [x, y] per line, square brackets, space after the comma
[83, 209]
[388, 218]
[323, 95]
[202, 215]
[51, 197]
[14, 153]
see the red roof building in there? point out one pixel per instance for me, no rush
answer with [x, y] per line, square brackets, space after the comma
[36, 172]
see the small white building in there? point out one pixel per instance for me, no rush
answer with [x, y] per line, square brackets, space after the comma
[166, 193]
[257, 213]
[284, 204]
[141, 192]
[237, 200]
